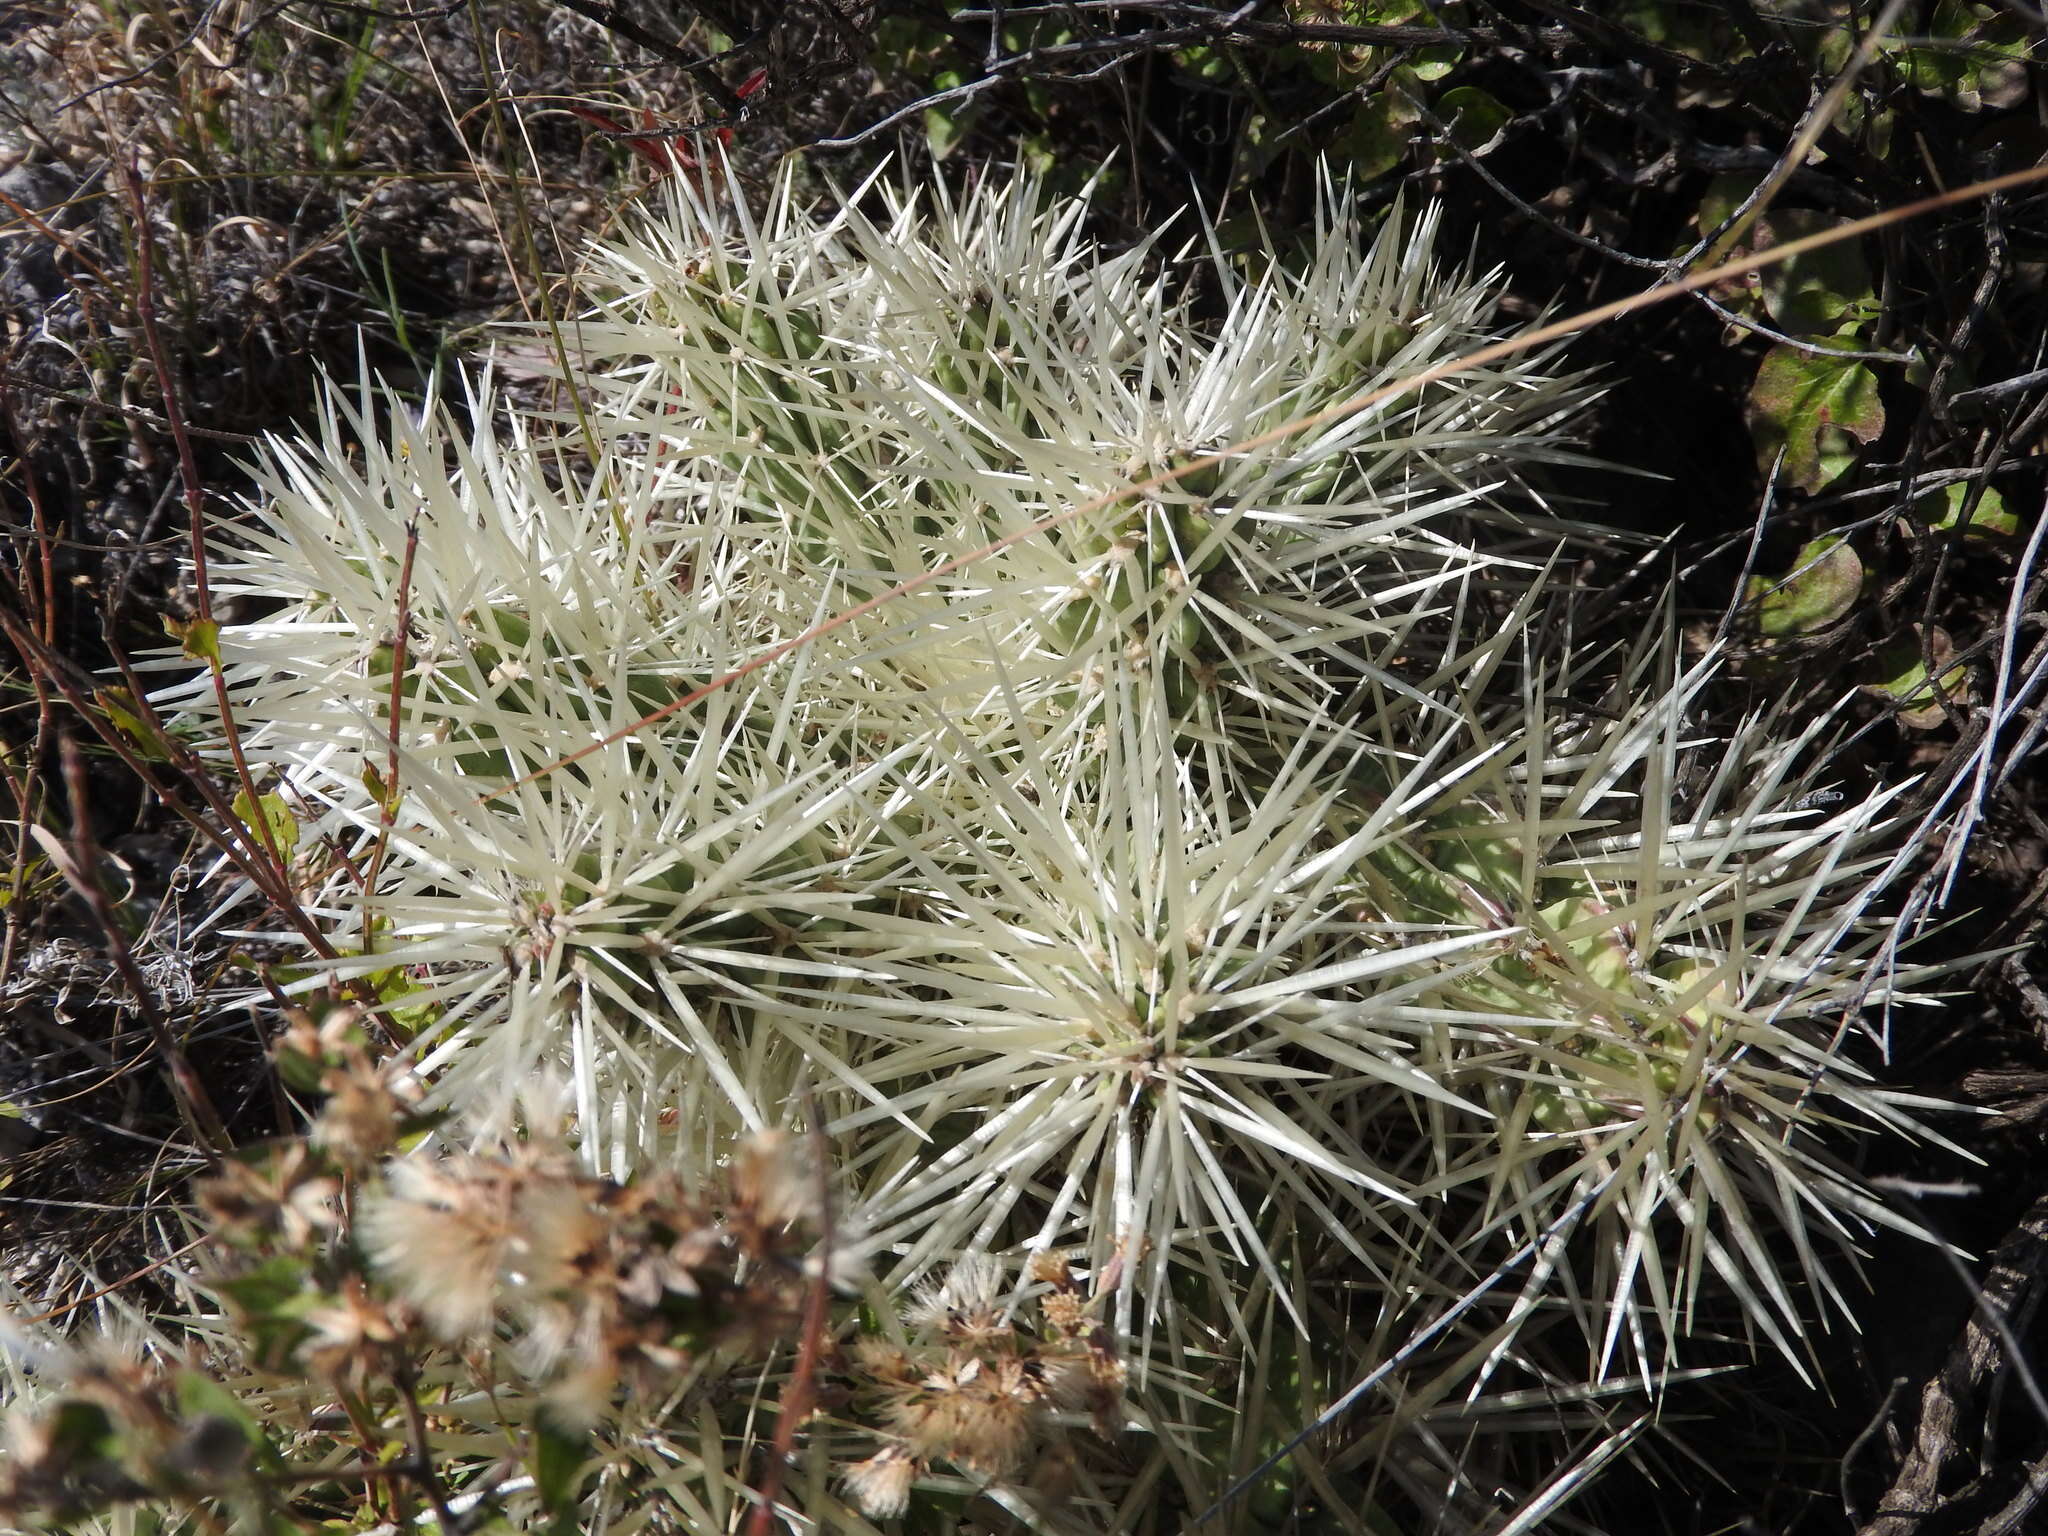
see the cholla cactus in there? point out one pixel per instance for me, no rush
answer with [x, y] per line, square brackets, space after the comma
[877, 400]
[1217, 884]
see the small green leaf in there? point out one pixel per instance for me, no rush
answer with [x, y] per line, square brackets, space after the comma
[1475, 119]
[1436, 61]
[942, 132]
[265, 1287]
[1817, 409]
[381, 794]
[197, 638]
[1986, 61]
[945, 126]
[1210, 65]
[301, 1074]
[1700, 31]
[272, 1299]
[1945, 511]
[1725, 193]
[1038, 154]
[1904, 678]
[201, 1397]
[82, 1431]
[1811, 294]
[1825, 580]
[119, 706]
[277, 816]
[1374, 141]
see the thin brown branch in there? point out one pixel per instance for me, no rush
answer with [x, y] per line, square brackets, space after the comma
[126, 412]
[802, 1391]
[81, 871]
[195, 507]
[41, 596]
[423, 1462]
[387, 792]
[226, 832]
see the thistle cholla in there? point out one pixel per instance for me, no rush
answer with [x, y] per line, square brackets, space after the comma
[1217, 883]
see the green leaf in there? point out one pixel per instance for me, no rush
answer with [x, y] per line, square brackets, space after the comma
[945, 126]
[199, 638]
[1904, 679]
[1812, 293]
[200, 1397]
[272, 1299]
[1433, 63]
[942, 132]
[1475, 119]
[1816, 408]
[1375, 140]
[1210, 65]
[1986, 61]
[1701, 31]
[1945, 511]
[34, 876]
[301, 1074]
[277, 816]
[1822, 586]
[392, 985]
[82, 1431]
[119, 706]
[384, 795]
[266, 1286]
[1725, 193]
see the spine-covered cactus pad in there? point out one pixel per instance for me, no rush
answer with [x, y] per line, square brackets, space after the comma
[1258, 890]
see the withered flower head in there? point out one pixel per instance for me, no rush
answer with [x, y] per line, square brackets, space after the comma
[282, 1193]
[357, 1339]
[440, 1233]
[965, 1307]
[366, 1106]
[881, 1484]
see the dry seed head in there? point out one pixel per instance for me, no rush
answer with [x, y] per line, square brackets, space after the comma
[881, 1484]
[441, 1235]
[365, 1108]
[963, 1307]
[358, 1340]
[283, 1194]
[986, 1400]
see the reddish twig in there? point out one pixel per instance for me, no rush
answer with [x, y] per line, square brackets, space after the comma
[195, 506]
[663, 150]
[802, 1390]
[387, 792]
[226, 832]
